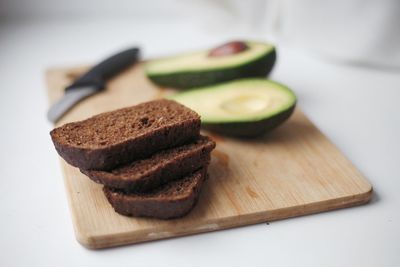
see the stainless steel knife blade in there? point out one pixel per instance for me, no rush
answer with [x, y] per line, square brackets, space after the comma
[92, 81]
[70, 98]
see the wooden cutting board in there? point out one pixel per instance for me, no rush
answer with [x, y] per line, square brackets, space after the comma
[295, 170]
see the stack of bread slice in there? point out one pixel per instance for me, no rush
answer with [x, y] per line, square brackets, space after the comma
[150, 157]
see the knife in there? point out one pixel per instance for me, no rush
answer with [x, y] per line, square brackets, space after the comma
[92, 82]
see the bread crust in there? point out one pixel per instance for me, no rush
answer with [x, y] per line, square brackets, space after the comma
[139, 145]
[160, 168]
[157, 205]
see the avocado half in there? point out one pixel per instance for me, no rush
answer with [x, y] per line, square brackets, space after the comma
[242, 108]
[199, 69]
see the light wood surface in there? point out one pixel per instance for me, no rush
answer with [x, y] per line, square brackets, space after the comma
[295, 170]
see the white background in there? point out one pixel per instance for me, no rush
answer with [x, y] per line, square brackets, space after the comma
[356, 107]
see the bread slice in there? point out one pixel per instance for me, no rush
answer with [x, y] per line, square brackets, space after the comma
[172, 200]
[160, 168]
[113, 138]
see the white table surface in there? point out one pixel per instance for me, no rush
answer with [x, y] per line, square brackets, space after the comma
[358, 108]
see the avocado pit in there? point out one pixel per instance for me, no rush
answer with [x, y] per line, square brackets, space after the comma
[231, 48]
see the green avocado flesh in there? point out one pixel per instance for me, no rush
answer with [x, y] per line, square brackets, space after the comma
[245, 108]
[198, 69]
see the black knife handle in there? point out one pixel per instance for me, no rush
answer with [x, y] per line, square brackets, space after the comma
[99, 74]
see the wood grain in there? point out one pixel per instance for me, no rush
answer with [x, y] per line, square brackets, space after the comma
[295, 170]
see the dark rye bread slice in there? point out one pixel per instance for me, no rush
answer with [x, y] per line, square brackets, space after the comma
[172, 200]
[160, 168]
[113, 138]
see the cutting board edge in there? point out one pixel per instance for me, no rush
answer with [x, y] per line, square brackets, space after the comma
[95, 241]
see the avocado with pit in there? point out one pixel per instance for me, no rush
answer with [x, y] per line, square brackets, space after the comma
[227, 62]
[241, 108]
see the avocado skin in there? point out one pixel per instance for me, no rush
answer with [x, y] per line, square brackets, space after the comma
[191, 79]
[249, 129]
